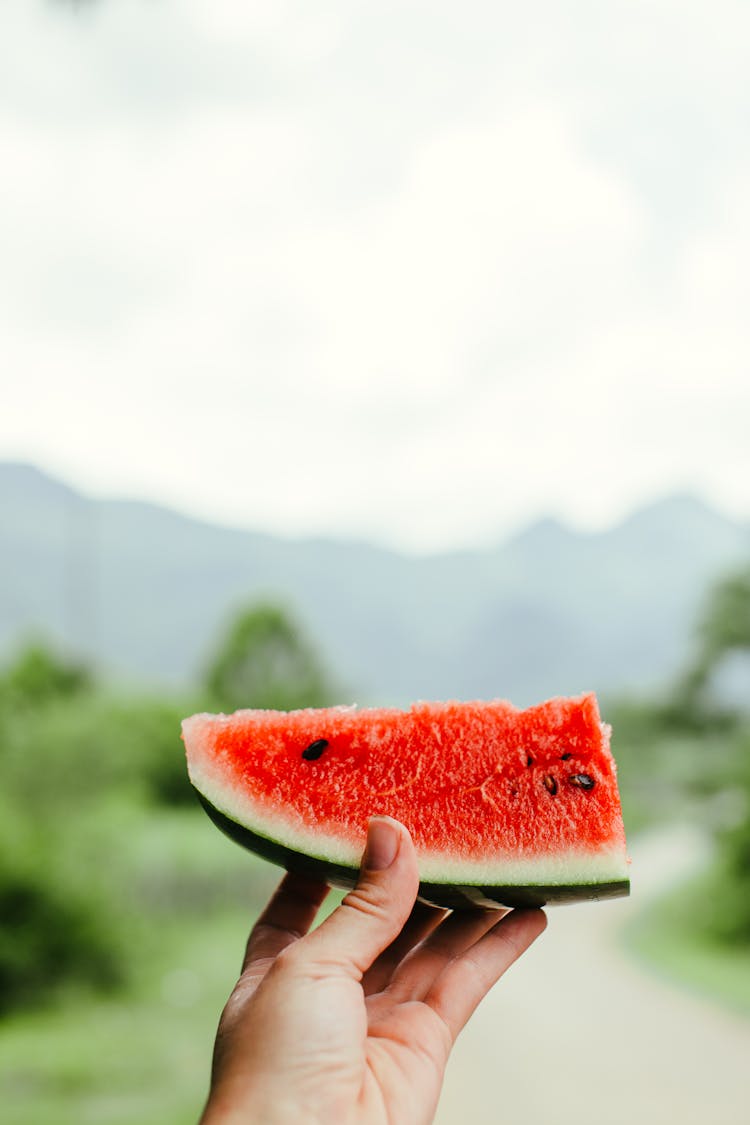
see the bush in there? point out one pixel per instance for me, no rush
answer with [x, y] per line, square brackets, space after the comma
[80, 768]
[91, 860]
[48, 937]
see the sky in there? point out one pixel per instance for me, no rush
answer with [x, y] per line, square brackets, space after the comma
[417, 273]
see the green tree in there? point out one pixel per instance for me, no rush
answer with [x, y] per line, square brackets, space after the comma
[730, 912]
[39, 675]
[265, 661]
[723, 629]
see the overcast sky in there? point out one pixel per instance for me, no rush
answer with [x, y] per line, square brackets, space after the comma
[413, 272]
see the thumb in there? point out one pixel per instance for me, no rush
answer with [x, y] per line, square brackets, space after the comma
[373, 914]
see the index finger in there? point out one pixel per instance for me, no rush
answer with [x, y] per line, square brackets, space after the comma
[288, 916]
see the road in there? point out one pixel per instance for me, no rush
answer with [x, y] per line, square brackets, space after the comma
[579, 1034]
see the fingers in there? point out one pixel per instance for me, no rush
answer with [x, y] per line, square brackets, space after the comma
[421, 922]
[466, 979]
[288, 916]
[414, 977]
[373, 914]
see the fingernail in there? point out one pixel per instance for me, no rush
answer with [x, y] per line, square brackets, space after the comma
[383, 840]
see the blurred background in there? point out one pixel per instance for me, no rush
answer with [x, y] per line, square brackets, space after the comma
[368, 353]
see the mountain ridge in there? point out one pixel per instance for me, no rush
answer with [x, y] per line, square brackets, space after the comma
[143, 589]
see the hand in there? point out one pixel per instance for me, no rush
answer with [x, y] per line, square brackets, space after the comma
[354, 1022]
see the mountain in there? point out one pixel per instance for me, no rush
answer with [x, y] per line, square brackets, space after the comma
[144, 591]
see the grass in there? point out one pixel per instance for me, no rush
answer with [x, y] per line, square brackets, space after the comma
[671, 939]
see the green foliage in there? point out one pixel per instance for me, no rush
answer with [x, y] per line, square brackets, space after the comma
[724, 628]
[672, 936]
[265, 661]
[729, 918]
[75, 760]
[55, 925]
[726, 624]
[47, 935]
[689, 755]
[156, 729]
[660, 761]
[67, 752]
[100, 834]
[39, 675]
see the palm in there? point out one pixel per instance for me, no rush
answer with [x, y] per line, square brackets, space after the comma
[406, 1053]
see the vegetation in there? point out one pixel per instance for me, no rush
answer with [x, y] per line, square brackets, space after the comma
[120, 906]
[668, 938]
[688, 755]
[725, 630]
[264, 661]
[89, 776]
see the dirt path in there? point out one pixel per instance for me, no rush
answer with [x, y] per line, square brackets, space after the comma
[577, 1034]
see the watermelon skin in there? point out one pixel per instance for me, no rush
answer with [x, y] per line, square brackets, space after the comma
[505, 807]
[450, 896]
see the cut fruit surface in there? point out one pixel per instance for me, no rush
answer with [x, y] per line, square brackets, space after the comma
[505, 807]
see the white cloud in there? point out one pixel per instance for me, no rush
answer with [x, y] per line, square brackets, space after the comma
[312, 277]
[498, 235]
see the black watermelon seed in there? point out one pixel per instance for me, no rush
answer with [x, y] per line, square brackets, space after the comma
[529, 760]
[582, 781]
[565, 757]
[550, 784]
[315, 749]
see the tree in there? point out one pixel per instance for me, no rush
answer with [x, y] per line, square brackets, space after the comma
[39, 675]
[723, 629]
[265, 661]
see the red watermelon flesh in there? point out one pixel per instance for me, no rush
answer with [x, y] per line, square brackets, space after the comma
[494, 797]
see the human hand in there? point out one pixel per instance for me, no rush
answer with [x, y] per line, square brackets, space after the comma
[354, 1021]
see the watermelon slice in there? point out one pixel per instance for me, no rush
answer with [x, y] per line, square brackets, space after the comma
[506, 807]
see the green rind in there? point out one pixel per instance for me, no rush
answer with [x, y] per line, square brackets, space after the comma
[449, 895]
